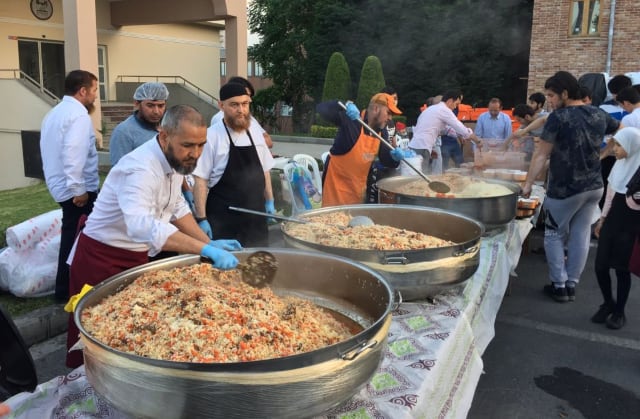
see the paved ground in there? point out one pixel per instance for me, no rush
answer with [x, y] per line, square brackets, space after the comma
[547, 359]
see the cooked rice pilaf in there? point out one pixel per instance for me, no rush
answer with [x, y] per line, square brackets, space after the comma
[461, 187]
[326, 229]
[201, 314]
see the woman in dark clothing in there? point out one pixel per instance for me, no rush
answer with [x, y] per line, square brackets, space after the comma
[617, 229]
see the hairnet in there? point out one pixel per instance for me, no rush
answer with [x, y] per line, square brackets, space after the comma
[151, 91]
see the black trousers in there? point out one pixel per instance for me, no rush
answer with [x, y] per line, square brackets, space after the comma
[70, 216]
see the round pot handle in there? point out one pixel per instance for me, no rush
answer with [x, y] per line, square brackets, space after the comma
[354, 353]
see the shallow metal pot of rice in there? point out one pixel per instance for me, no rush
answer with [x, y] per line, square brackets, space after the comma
[416, 274]
[493, 212]
[297, 386]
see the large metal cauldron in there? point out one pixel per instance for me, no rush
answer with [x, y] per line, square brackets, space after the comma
[493, 212]
[291, 387]
[416, 274]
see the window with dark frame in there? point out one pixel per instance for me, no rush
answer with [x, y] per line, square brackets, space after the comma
[584, 17]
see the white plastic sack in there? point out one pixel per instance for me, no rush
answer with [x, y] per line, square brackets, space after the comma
[28, 266]
[28, 234]
[30, 273]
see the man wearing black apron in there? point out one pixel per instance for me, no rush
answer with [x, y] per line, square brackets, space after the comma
[242, 181]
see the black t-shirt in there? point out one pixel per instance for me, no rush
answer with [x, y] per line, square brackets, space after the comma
[576, 133]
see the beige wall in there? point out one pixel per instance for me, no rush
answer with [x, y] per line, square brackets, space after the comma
[188, 50]
[24, 112]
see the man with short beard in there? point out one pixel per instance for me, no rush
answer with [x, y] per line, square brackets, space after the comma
[234, 171]
[355, 148]
[141, 211]
[150, 101]
[70, 162]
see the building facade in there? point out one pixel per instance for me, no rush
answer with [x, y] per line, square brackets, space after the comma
[583, 36]
[118, 40]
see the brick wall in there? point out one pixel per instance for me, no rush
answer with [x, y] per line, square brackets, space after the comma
[552, 48]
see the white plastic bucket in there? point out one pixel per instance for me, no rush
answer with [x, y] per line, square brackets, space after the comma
[415, 162]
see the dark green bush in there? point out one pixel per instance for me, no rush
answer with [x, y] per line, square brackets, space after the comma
[323, 132]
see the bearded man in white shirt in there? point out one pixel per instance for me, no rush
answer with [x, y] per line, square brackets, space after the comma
[141, 211]
[70, 162]
[234, 171]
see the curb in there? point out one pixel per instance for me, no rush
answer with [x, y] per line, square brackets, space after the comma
[42, 324]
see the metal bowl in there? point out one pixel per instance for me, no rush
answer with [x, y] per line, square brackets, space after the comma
[290, 387]
[416, 274]
[493, 212]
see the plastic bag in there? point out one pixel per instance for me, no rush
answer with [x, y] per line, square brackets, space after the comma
[29, 265]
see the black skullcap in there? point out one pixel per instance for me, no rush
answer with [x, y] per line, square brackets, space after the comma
[230, 90]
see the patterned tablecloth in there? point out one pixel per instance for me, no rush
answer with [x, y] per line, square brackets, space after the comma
[430, 369]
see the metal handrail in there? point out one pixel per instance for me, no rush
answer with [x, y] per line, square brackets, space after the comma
[202, 94]
[18, 74]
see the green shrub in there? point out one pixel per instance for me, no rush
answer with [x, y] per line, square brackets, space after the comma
[337, 79]
[323, 132]
[371, 81]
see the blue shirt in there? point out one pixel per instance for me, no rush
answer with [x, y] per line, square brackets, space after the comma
[129, 135]
[498, 128]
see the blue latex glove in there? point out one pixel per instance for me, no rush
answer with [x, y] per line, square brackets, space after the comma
[221, 258]
[188, 196]
[397, 154]
[226, 244]
[352, 111]
[269, 206]
[206, 227]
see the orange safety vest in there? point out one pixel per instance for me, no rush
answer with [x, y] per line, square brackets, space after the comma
[346, 179]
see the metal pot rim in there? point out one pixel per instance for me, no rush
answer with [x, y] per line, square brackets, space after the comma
[367, 255]
[313, 357]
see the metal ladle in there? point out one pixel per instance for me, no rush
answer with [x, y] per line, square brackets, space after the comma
[358, 220]
[434, 185]
[258, 270]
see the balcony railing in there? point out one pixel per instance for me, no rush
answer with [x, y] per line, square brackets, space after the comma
[175, 80]
[16, 74]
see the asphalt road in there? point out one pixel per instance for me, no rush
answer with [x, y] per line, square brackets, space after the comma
[548, 360]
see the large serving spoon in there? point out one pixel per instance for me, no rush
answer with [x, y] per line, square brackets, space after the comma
[258, 270]
[434, 185]
[355, 221]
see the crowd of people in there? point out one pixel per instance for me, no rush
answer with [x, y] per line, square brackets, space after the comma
[147, 205]
[174, 176]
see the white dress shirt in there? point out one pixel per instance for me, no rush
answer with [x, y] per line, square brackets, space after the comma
[433, 120]
[68, 149]
[139, 198]
[215, 156]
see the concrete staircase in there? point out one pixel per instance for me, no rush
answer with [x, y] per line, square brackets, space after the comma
[112, 114]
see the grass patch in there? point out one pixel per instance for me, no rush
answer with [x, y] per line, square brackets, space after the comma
[18, 205]
[17, 306]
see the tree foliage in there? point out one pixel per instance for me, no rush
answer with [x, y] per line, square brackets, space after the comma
[425, 47]
[371, 81]
[337, 79]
